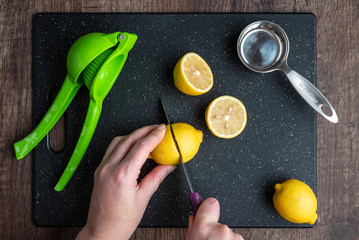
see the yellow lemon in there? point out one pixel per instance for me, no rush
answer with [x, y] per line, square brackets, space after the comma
[226, 117]
[188, 139]
[192, 75]
[295, 201]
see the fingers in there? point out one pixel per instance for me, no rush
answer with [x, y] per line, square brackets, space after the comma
[152, 180]
[127, 142]
[208, 211]
[140, 150]
[109, 151]
[204, 225]
[112, 146]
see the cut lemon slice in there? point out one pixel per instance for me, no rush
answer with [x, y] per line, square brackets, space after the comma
[226, 117]
[192, 75]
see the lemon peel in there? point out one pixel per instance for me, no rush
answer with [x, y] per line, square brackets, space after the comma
[295, 201]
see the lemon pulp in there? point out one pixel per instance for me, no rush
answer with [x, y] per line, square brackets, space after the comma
[226, 117]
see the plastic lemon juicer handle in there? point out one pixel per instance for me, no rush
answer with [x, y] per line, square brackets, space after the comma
[95, 60]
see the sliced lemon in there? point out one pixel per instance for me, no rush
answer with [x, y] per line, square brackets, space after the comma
[192, 75]
[226, 117]
[188, 139]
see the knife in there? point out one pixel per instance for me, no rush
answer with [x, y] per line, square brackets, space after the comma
[194, 197]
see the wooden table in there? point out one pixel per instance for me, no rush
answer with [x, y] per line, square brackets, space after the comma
[337, 144]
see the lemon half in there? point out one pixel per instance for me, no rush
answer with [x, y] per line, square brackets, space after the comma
[226, 117]
[192, 75]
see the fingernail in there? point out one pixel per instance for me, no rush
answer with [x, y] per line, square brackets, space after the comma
[212, 200]
[161, 126]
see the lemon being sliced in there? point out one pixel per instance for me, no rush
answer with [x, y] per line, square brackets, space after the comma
[192, 75]
[226, 117]
[188, 139]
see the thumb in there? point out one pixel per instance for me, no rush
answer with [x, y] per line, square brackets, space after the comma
[190, 222]
[208, 211]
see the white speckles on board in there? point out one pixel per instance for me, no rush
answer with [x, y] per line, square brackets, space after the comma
[278, 141]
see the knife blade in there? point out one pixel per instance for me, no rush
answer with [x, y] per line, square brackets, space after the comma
[194, 197]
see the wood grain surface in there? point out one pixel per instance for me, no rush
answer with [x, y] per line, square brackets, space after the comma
[337, 144]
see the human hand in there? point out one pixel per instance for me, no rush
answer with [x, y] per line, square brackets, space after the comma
[205, 226]
[118, 202]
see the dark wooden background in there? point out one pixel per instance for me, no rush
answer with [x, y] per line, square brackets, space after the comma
[337, 67]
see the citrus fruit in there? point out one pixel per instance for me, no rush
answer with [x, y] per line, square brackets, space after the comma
[295, 201]
[226, 117]
[188, 139]
[192, 75]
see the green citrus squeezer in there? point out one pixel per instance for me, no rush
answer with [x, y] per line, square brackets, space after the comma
[96, 60]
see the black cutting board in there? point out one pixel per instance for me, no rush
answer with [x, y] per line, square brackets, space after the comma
[278, 143]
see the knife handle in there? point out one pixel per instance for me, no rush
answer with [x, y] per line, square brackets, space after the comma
[195, 200]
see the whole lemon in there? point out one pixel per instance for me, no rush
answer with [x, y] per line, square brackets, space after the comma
[188, 139]
[295, 201]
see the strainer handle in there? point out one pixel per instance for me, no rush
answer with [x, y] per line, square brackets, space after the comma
[310, 94]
